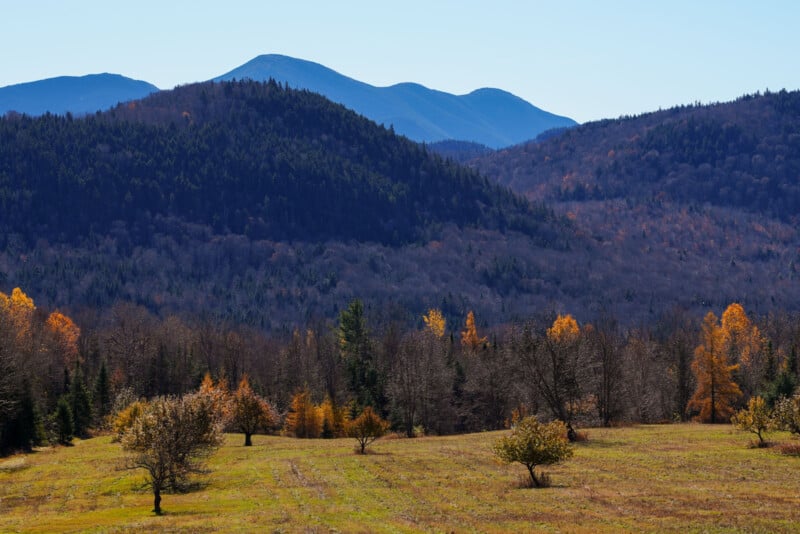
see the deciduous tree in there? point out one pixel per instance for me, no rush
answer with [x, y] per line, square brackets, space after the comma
[756, 418]
[366, 428]
[716, 390]
[532, 444]
[304, 419]
[250, 412]
[469, 336]
[170, 440]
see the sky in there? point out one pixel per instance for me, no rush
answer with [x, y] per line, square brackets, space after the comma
[581, 58]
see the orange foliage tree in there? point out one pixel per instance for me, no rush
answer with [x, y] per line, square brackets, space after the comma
[218, 395]
[366, 428]
[716, 391]
[469, 336]
[304, 419]
[250, 412]
[66, 335]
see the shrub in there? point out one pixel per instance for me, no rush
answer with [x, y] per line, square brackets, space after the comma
[756, 418]
[366, 428]
[532, 443]
[787, 414]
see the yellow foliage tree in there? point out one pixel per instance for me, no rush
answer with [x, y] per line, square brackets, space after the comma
[564, 330]
[304, 419]
[716, 390]
[436, 322]
[469, 336]
[742, 336]
[366, 428]
[19, 308]
[334, 419]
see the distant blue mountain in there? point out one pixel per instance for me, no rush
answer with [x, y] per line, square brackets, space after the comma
[490, 117]
[75, 94]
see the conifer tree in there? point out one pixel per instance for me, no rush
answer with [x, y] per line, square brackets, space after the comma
[716, 391]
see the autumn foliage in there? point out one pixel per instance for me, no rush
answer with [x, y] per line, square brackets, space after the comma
[250, 412]
[436, 323]
[304, 419]
[469, 336]
[366, 428]
[716, 391]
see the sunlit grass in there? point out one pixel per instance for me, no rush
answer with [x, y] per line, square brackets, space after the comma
[655, 478]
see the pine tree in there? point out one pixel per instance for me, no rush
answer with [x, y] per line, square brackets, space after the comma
[364, 377]
[64, 425]
[80, 403]
[102, 392]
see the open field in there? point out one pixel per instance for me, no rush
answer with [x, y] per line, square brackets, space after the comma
[656, 478]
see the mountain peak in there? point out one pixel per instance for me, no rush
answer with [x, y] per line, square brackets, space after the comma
[488, 116]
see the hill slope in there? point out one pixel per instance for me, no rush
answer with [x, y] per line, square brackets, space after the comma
[491, 117]
[249, 158]
[75, 94]
[696, 206]
[742, 154]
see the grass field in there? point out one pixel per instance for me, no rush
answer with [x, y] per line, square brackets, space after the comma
[676, 478]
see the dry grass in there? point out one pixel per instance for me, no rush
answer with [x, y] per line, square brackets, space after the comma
[671, 478]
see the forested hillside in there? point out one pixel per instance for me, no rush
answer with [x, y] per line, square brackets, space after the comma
[743, 154]
[247, 158]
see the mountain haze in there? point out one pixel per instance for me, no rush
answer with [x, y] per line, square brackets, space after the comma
[491, 117]
[75, 94]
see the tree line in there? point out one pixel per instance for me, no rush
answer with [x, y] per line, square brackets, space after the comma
[58, 380]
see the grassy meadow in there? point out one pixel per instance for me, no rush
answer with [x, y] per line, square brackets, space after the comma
[676, 478]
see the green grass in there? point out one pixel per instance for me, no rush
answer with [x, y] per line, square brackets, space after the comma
[678, 478]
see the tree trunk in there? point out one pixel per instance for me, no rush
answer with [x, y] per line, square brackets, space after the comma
[248, 442]
[157, 501]
[534, 480]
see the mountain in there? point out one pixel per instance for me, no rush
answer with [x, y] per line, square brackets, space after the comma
[695, 206]
[490, 117]
[75, 94]
[257, 204]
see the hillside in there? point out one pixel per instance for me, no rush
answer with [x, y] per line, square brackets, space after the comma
[256, 204]
[487, 116]
[743, 154]
[75, 94]
[692, 206]
[247, 158]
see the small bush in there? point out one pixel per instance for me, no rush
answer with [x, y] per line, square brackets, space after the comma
[532, 443]
[756, 418]
[366, 428]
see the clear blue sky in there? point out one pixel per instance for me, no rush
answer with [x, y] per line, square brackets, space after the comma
[585, 59]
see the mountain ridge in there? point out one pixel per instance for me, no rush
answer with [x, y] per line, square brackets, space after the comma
[420, 113]
[72, 94]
